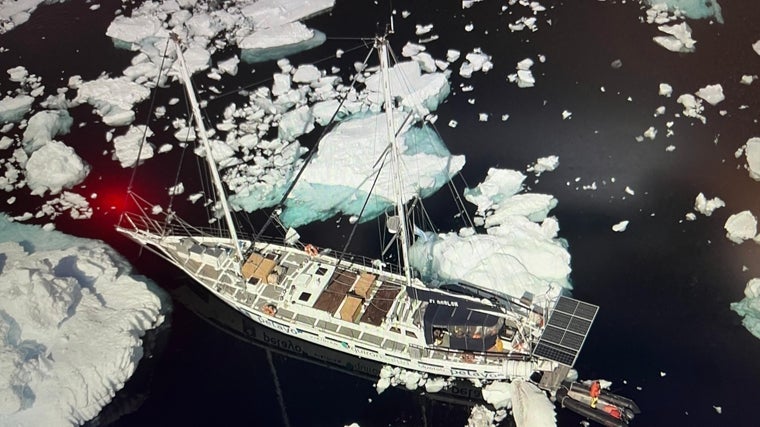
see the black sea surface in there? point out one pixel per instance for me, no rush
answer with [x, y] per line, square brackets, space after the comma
[665, 335]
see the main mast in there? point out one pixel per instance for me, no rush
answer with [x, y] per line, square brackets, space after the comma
[206, 146]
[382, 49]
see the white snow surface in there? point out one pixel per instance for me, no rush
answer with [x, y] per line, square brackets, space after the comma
[72, 320]
[741, 226]
[286, 34]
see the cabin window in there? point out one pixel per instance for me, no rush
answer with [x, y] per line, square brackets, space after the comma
[304, 296]
[395, 329]
[321, 271]
[411, 334]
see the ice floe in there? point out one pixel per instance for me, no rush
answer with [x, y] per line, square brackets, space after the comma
[752, 153]
[713, 94]
[707, 206]
[523, 77]
[73, 316]
[749, 307]
[741, 226]
[678, 38]
[53, 167]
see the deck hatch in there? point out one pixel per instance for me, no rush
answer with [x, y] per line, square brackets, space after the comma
[566, 331]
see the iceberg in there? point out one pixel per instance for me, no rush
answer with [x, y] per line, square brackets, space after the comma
[72, 319]
[694, 9]
[279, 42]
[13, 109]
[53, 167]
[741, 226]
[337, 180]
[749, 307]
[752, 153]
[113, 99]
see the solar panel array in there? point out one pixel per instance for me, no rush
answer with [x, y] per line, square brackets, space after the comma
[566, 331]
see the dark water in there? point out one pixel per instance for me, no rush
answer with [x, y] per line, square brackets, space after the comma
[664, 286]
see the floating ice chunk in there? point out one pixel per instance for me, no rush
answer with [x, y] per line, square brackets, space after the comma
[423, 29]
[692, 107]
[53, 167]
[749, 307]
[629, 190]
[691, 8]
[566, 114]
[127, 147]
[483, 117]
[523, 77]
[452, 55]
[295, 123]
[306, 74]
[707, 206]
[133, 29]
[748, 79]
[113, 99]
[544, 164]
[679, 38]
[650, 133]
[289, 35]
[741, 226]
[13, 109]
[691, 217]
[752, 152]
[229, 66]
[531, 406]
[713, 94]
[17, 74]
[498, 394]
[453, 123]
[666, 90]
[421, 93]
[469, 27]
[410, 49]
[177, 189]
[620, 226]
[756, 47]
[44, 126]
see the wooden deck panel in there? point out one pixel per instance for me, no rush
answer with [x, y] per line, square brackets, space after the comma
[336, 290]
[380, 304]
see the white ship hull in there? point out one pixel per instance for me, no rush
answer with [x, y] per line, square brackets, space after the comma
[209, 262]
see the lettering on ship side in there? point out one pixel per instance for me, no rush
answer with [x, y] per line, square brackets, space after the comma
[472, 373]
[443, 302]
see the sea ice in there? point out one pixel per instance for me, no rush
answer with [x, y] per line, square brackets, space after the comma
[44, 126]
[694, 9]
[524, 77]
[127, 147]
[741, 226]
[53, 167]
[73, 316]
[752, 153]
[113, 99]
[544, 164]
[666, 90]
[620, 226]
[692, 107]
[713, 94]
[13, 109]
[749, 307]
[678, 38]
[707, 206]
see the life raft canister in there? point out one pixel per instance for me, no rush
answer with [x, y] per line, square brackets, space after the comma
[311, 250]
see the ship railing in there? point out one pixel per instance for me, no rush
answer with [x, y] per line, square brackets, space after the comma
[487, 357]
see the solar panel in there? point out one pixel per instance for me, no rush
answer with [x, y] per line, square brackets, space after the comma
[566, 331]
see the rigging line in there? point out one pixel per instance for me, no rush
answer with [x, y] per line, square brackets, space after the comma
[382, 159]
[308, 159]
[269, 79]
[147, 122]
[278, 389]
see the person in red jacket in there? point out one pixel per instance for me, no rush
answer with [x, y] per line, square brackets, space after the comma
[594, 391]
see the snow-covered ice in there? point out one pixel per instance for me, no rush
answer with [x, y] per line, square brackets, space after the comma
[749, 307]
[53, 167]
[707, 206]
[678, 38]
[127, 146]
[752, 153]
[713, 94]
[13, 109]
[741, 226]
[544, 164]
[73, 315]
[523, 77]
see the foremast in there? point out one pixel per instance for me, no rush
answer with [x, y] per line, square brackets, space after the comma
[185, 75]
[381, 43]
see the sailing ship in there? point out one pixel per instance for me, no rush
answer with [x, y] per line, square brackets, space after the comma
[360, 306]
